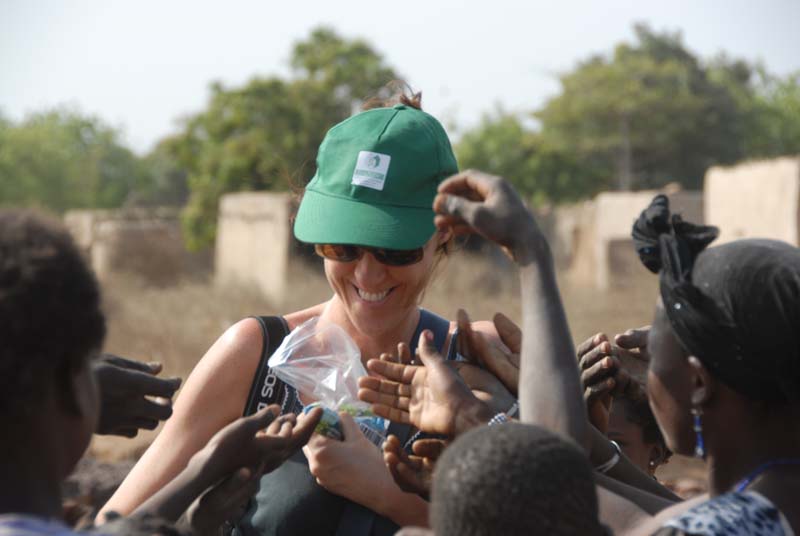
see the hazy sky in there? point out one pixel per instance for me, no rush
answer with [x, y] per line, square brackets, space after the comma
[140, 65]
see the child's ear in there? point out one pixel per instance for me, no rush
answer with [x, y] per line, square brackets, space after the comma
[77, 391]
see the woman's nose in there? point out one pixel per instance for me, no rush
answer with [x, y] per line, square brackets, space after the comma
[369, 271]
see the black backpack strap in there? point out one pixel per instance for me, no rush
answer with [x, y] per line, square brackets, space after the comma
[266, 388]
[438, 325]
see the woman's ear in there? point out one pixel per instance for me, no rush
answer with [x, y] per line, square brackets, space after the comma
[702, 384]
[443, 238]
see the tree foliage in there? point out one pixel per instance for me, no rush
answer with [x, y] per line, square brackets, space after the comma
[265, 134]
[648, 115]
[502, 145]
[61, 159]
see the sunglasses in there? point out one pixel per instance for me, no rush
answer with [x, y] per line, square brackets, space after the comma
[389, 257]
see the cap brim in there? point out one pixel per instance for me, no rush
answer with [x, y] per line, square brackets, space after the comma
[323, 219]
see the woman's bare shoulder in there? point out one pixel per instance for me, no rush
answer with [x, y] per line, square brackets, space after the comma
[298, 317]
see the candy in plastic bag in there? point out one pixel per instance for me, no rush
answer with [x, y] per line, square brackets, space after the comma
[323, 363]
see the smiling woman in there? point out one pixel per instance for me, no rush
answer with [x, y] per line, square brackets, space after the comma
[368, 211]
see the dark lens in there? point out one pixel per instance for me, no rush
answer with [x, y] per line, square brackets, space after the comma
[397, 257]
[337, 252]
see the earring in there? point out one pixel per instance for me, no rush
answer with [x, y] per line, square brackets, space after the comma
[699, 444]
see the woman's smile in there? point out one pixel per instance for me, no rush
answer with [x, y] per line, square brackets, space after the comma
[374, 297]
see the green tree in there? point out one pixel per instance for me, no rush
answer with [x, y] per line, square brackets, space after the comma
[648, 115]
[265, 134]
[62, 159]
[502, 145]
[777, 121]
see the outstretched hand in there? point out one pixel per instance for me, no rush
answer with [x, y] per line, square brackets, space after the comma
[475, 202]
[261, 441]
[223, 472]
[502, 360]
[124, 386]
[609, 371]
[432, 397]
[414, 472]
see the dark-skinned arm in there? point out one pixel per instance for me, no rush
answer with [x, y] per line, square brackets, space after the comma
[256, 444]
[475, 202]
[550, 389]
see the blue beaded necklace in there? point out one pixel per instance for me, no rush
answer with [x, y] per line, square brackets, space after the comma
[755, 473]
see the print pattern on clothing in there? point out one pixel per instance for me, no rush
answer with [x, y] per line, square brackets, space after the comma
[732, 514]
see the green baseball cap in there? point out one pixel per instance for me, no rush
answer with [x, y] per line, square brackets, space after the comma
[377, 174]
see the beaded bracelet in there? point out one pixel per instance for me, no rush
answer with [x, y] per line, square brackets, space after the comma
[500, 418]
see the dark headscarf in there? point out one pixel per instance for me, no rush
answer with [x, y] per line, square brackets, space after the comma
[736, 307]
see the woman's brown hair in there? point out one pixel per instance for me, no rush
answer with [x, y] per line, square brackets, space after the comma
[394, 93]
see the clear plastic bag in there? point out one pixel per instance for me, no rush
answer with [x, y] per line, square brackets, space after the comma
[324, 364]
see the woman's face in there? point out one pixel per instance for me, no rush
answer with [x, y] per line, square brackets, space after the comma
[377, 298]
[668, 384]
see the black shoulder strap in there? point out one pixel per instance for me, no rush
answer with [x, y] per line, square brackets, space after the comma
[440, 328]
[266, 388]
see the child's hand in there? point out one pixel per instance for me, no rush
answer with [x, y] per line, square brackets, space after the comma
[474, 202]
[123, 386]
[433, 397]
[413, 473]
[260, 441]
[501, 359]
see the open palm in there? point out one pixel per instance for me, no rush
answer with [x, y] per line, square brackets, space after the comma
[432, 397]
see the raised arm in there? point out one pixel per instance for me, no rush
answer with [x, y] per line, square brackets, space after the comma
[549, 390]
[214, 396]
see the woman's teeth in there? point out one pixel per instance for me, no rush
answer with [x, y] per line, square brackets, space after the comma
[371, 296]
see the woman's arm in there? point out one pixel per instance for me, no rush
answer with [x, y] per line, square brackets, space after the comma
[214, 395]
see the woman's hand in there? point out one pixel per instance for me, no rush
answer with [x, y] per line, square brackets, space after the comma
[433, 397]
[472, 201]
[502, 359]
[352, 468]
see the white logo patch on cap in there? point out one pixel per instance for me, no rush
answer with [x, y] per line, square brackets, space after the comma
[371, 170]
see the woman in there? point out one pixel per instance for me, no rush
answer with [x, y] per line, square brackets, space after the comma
[724, 373]
[368, 213]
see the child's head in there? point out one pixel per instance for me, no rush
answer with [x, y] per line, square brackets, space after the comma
[513, 479]
[50, 326]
